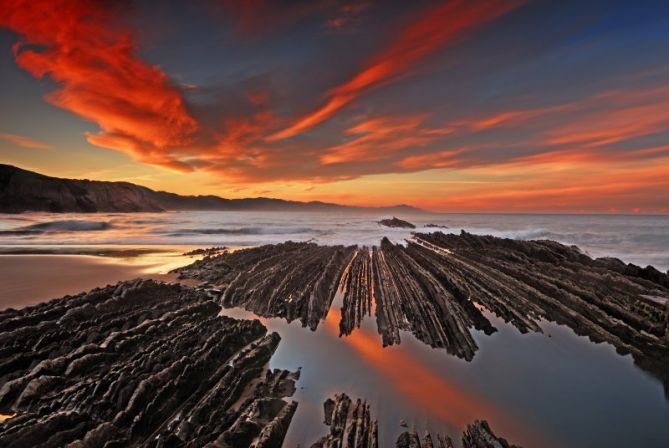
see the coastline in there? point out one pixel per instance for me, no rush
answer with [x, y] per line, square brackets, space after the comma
[34, 275]
[370, 375]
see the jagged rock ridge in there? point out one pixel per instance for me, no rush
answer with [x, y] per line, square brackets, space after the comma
[439, 287]
[352, 426]
[139, 364]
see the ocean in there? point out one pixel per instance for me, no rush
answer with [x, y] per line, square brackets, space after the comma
[638, 239]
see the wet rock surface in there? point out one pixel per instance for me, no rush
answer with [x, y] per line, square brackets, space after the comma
[288, 280]
[205, 251]
[441, 286]
[352, 426]
[139, 364]
[350, 423]
[397, 223]
[479, 435]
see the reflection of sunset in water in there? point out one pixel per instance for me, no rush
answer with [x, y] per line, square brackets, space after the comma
[413, 379]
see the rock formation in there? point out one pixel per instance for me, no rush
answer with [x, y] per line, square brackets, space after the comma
[441, 286]
[352, 426]
[289, 280]
[397, 223]
[479, 435]
[139, 364]
[207, 252]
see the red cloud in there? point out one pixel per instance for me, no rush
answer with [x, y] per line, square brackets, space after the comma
[436, 28]
[92, 58]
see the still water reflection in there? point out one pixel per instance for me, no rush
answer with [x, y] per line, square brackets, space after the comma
[551, 390]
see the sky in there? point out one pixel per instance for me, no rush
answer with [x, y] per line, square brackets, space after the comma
[457, 105]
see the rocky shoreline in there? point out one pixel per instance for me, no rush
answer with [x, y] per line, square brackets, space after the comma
[139, 364]
[441, 286]
[150, 364]
[143, 363]
[352, 426]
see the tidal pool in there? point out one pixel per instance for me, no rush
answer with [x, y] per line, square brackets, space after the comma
[555, 389]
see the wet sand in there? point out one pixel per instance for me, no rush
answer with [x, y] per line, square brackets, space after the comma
[28, 279]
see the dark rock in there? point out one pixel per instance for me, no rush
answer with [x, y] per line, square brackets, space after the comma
[207, 252]
[139, 363]
[479, 435]
[438, 284]
[352, 426]
[397, 223]
[289, 280]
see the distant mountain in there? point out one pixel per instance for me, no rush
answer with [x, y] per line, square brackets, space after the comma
[22, 191]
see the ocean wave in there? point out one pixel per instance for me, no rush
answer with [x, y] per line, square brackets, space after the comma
[248, 231]
[516, 234]
[524, 234]
[59, 226]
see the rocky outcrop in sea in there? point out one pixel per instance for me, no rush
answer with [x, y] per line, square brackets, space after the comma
[441, 286]
[397, 223]
[352, 425]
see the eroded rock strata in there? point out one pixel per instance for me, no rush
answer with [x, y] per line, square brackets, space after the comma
[442, 286]
[139, 364]
[352, 426]
[358, 283]
[289, 280]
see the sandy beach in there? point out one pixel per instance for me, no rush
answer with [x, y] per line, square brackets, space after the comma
[29, 279]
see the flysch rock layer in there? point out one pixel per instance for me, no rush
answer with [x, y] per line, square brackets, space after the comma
[439, 287]
[289, 280]
[352, 426]
[139, 364]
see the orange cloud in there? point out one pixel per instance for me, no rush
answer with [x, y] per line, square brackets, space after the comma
[440, 159]
[380, 137]
[559, 181]
[511, 118]
[436, 28]
[92, 58]
[612, 126]
[24, 142]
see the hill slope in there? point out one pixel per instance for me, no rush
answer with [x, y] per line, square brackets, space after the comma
[22, 190]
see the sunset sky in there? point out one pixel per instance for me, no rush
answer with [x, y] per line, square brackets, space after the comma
[461, 105]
